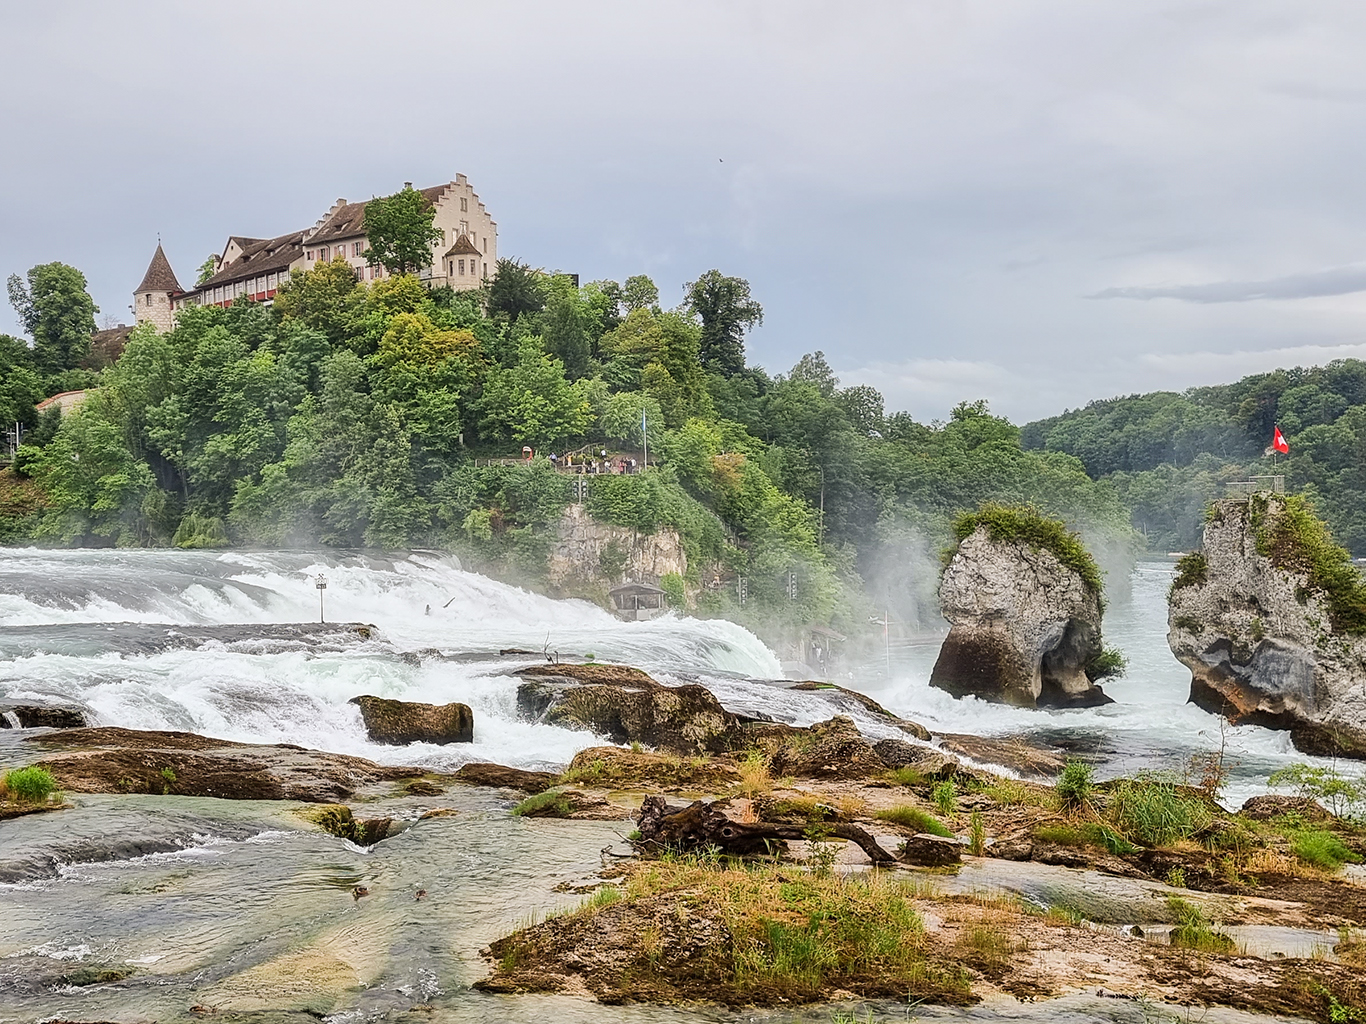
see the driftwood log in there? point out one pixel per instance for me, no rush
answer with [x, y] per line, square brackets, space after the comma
[702, 825]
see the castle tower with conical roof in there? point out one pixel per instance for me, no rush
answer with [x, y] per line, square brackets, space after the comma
[153, 301]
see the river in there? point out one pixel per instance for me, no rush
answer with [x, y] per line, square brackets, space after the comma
[234, 905]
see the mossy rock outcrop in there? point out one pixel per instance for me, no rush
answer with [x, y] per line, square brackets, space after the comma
[400, 722]
[627, 706]
[1023, 601]
[1270, 617]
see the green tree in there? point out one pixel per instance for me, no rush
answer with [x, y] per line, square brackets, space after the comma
[516, 289]
[727, 312]
[206, 269]
[400, 231]
[326, 297]
[532, 402]
[57, 312]
[639, 292]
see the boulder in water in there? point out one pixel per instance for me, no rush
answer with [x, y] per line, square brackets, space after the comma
[399, 722]
[502, 777]
[627, 706]
[828, 750]
[1270, 618]
[1023, 600]
[41, 716]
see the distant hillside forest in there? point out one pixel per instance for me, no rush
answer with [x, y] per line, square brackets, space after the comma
[353, 414]
[1168, 454]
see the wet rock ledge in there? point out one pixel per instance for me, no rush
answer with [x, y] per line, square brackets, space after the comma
[114, 760]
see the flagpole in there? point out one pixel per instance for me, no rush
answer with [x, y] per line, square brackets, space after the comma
[645, 435]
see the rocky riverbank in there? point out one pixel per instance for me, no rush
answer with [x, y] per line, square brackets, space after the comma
[769, 864]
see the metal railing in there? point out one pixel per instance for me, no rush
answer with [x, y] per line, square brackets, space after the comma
[1257, 485]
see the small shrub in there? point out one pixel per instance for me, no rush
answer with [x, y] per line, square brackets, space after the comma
[1193, 930]
[977, 834]
[820, 852]
[30, 785]
[1108, 664]
[1075, 784]
[755, 778]
[672, 585]
[1191, 571]
[1176, 878]
[1340, 795]
[916, 819]
[196, 531]
[908, 776]
[944, 796]
[1189, 623]
[550, 804]
[167, 780]
[1322, 850]
[1151, 810]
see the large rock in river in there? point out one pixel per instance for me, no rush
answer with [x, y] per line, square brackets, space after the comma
[1271, 620]
[398, 722]
[1024, 626]
[627, 706]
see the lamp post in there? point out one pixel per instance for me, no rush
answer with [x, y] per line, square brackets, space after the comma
[321, 584]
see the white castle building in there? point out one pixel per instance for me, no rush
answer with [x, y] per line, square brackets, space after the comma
[462, 259]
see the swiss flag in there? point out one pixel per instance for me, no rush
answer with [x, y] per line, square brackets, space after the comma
[1279, 443]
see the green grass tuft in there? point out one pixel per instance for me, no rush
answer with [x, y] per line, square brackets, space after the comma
[1028, 525]
[1323, 850]
[915, 818]
[1193, 930]
[550, 804]
[30, 785]
[1152, 810]
[1075, 784]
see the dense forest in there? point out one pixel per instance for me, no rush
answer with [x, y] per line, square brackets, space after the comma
[1168, 454]
[352, 414]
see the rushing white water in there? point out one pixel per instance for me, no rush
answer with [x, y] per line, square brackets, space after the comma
[98, 627]
[79, 625]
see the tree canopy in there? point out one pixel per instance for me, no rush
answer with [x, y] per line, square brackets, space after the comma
[401, 231]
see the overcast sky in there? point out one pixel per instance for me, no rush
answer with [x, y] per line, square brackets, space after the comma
[1036, 203]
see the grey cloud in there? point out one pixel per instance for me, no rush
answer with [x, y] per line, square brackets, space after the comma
[1333, 281]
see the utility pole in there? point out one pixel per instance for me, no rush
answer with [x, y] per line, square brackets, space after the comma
[321, 584]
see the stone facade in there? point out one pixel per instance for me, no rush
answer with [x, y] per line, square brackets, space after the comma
[463, 258]
[580, 542]
[154, 300]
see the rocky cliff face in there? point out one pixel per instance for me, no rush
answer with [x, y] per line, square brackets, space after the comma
[1024, 626]
[587, 550]
[1251, 619]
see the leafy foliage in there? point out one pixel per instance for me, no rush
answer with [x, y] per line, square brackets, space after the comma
[1297, 540]
[400, 231]
[1192, 570]
[1075, 784]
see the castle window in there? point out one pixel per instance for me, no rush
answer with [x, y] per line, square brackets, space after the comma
[464, 204]
[486, 243]
[462, 267]
[355, 248]
[309, 257]
[322, 253]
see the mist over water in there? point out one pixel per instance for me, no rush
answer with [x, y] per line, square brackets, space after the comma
[98, 627]
[199, 641]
